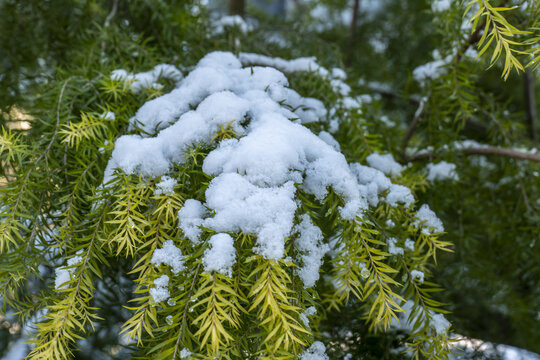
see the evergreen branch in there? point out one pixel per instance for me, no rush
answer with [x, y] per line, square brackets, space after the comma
[497, 28]
[384, 305]
[72, 313]
[184, 314]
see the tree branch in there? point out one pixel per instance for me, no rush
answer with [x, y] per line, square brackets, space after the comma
[489, 150]
[413, 125]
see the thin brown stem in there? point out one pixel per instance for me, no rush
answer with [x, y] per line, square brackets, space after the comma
[412, 127]
[489, 150]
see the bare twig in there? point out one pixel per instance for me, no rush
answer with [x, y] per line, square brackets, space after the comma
[489, 150]
[108, 23]
[412, 127]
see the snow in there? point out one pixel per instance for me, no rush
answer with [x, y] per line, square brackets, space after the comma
[267, 212]
[256, 175]
[190, 217]
[373, 183]
[428, 221]
[384, 163]
[329, 139]
[392, 248]
[231, 21]
[432, 70]
[109, 115]
[64, 274]
[184, 353]
[409, 244]
[317, 351]
[149, 79]
[169, 255]
[441, 171]
[440, 5]
[406, 321]
[418, 275]
[309, 243]
[399, 194]
[307, 64]
[160, 292]
[221, 255]
[439, 323]
[504, 352]
[310, 311]
[165, 186]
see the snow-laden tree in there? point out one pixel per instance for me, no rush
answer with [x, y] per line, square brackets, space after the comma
[224, 198]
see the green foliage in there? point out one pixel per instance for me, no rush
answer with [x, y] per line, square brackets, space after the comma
[499, 29]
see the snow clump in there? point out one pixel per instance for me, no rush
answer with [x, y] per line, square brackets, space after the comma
[442, 171]
[317, 351]
[255, 176]
[165, 186]
[220, 256]
[428, 221]
[440, 5]
[417, 274]
[160, 291]
[184, 353]
[230, 22]
[169, 255]
[190, 217]
[309, 243]
[384, 163]
[149, 79]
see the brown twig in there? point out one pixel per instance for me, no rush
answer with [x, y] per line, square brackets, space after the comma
[412, 127]
[489, 150]
[108, 23]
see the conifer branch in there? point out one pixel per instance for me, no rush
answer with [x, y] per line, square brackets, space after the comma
[184, 314]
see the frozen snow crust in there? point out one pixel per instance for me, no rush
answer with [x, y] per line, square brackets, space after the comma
[257, 174]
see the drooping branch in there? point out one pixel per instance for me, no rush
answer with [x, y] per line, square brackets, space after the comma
[108, 23]
[488, 150]
[475, 36]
